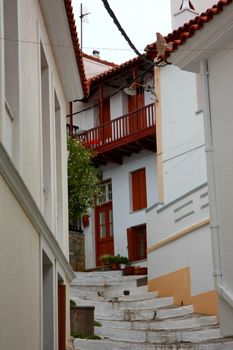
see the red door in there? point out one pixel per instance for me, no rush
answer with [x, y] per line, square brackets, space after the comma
[104, 231]
[61, 317]
[136, 103]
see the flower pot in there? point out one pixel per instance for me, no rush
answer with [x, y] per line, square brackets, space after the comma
[143, 271]
[137, 270]
[129, 270]
[85, 220]
[115, 266]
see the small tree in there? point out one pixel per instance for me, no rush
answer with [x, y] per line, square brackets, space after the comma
[83, 180]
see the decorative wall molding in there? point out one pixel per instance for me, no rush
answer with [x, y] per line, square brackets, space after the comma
[178, 235]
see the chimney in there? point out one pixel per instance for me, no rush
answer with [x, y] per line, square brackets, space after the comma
[186, 11]
[96, 53]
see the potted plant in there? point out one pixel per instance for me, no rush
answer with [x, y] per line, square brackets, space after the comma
[106, 260]
[128, 270]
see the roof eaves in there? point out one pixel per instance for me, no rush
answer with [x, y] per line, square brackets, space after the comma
[77, 50]
[180, 35]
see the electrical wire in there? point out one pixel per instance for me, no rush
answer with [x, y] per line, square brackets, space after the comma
[159, 63]
[122, 31]
[181, 48]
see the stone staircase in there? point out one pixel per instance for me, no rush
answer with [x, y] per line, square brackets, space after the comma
[141, 320]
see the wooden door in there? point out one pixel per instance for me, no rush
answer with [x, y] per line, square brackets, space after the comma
[104, 231]
[141, 109]
[137, 244]
[104, 120]
[61, 317]
[136, 104]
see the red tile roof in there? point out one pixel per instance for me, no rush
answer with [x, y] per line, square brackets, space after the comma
[117, 70]
[78, 53]
[96, 59]
[177, 38]
[180, 35]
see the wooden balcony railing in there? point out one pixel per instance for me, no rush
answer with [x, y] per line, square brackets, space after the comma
[120, 128]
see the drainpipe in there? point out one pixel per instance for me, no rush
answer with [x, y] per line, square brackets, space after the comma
[214, 226]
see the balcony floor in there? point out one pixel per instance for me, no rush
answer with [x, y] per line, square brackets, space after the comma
[116, 150]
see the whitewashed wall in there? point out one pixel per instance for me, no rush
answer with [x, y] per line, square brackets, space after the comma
[221, 80]
[123, 216]
[192, 250]
[183, 143]
[21, 238]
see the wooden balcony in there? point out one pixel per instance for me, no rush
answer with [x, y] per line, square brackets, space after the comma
[122, 136]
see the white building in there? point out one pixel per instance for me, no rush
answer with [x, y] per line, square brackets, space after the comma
[208, 52]
[121, 129]
[40, 69]
[179, 238]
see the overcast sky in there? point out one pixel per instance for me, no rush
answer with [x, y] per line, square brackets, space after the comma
[141, 19]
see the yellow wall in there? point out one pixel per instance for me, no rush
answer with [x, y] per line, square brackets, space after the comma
[177, 284]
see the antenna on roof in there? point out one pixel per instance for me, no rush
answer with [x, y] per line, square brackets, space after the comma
[83, 14]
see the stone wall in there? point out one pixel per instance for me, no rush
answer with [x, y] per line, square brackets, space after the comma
[77, 251]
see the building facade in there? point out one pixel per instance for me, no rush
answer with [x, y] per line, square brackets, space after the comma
[120, 128]
[212, 61]
[36, 84]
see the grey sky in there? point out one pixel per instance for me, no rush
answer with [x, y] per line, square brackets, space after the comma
[141, 19]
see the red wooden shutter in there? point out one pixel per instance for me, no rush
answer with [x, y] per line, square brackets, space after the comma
[61, 317]
[139, 197]
[142, 188]
[135, 191]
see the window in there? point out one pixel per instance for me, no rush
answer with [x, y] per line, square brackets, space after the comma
[137, 244]
[139, 198]
[106, 193]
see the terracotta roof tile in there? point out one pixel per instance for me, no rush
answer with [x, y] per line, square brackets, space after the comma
[177, 37]
[78, 53]
[116, 70]
[96, 59]
[185, 32]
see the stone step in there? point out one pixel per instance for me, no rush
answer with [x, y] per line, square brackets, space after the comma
[160, 337]
[104, 280]
[130, 305]
[145, 314]
[108, 293]
[193, 321]
[83, 344]
[138, 297]
[142, 304]
[94, 274]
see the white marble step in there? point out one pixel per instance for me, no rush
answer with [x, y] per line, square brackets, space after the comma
[108, 293]
[160, 337]
[112, 273]
[138, 297]
[82, 344]
[82, 280]
[142, 304]
[193, 321]
[130, 305]
[145, 314]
